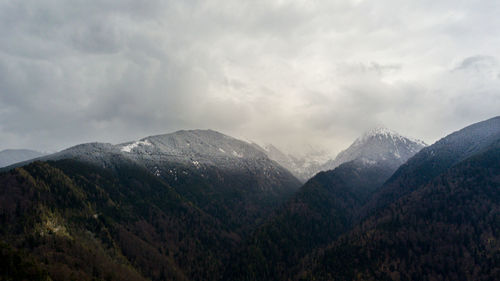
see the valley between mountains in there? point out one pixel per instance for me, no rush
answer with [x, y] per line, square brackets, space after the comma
[201, 205]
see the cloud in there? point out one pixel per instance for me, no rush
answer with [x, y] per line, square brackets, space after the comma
[294, 73]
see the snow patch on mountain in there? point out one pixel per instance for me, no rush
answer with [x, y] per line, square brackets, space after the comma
[237, 154]
[382, 132]
[129, 147]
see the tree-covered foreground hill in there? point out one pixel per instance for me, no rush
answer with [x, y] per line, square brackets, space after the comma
[78, 221]
[448, 229]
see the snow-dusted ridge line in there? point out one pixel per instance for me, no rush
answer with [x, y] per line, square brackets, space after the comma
[383, 131]
[188, 147]
[178, 151]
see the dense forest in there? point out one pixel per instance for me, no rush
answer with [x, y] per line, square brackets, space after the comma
[447, 229]
[322, 209]
[81, 222]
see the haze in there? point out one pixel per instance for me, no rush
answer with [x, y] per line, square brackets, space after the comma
[299, 74]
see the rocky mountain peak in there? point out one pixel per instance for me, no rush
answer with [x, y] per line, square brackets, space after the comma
[378, 145]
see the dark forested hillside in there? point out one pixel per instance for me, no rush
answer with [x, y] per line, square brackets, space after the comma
[17, 265]
[77, 221]
[239, 199]
[448, 229]
[322, 209]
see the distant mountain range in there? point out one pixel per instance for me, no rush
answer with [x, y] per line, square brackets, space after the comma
[12, 156]
[303, 167]
[201, 205]
[378, 144]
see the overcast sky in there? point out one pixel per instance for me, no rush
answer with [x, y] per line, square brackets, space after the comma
[298, 74]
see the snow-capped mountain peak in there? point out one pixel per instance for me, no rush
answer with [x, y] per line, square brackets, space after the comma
[378, 145]
[383, 132]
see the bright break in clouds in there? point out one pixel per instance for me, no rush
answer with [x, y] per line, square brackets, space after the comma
[297, 74]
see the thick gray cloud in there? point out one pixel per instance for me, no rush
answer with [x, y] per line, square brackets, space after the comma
[294, 73]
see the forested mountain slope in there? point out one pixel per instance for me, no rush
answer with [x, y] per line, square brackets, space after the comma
[79, 221]
[447, 229]
[325, 207]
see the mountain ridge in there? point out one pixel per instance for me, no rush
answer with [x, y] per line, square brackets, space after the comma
[373, 145]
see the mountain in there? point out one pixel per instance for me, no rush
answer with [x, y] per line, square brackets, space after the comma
[228, 178]
[443, 225]
[436, 159]
[324, 208]
[166, 207]
[12, 156]
[303, 167]
[376, 145]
